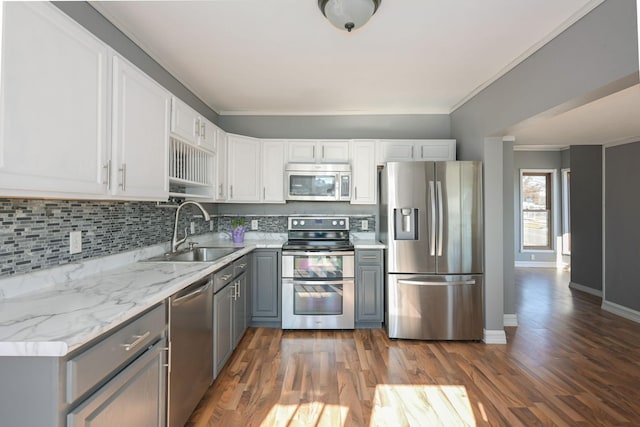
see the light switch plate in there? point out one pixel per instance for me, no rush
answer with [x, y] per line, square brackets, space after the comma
[75, 242]
[364, 224]
[193, 227]
[254, 224]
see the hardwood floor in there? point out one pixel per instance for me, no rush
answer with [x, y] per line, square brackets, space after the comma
[568, 363]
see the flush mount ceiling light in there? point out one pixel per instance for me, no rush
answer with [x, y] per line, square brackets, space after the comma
[348, 14]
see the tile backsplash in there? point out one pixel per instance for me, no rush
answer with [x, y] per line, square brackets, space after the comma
[34, 234]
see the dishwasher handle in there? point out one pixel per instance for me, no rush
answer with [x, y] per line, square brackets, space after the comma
[191, 295]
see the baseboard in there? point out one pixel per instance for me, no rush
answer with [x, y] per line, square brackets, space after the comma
[537, 264]
[510, 320]
[587, 289]
[621, 311]
[495, 337]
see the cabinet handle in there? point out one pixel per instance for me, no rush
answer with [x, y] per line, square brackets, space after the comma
[138, 339]
[313, 153]
[355, 191]
[196, 124]
[227, 276]
[123, 176]
[369, 257]
[238, 283]
[220, 191]
[231, 191]
[203, 130]
[264, 193]
[108, 168]
[323, 152]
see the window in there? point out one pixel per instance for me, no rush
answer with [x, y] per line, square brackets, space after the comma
[536, 209]
[566, 212]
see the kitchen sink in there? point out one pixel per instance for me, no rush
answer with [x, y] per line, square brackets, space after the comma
[201, 254]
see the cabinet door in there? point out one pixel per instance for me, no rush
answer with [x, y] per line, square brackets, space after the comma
[185, 121]
[134, 398]
[334, 151]
[273, 171]
[437, 149]
[207, 138]
[369, 286]
[221, 166]
[140, 135]
[301, 151]
[265, 294]
[239, 309]
[222, 328]
[244, 169]
[364, 172]
[396, 151]
[53, 105]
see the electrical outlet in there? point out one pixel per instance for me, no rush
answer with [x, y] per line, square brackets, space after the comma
[193, 227]
[533, 257]
[75, 242]
[254, 224]
[210, 225]
[364, 224]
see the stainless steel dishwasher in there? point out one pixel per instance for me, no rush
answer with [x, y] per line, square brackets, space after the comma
[190, 349]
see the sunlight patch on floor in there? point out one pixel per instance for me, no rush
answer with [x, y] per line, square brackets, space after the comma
[421, 405]
[306, 414]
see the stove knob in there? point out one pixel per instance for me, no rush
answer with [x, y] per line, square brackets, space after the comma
[295, 222]
[341, 222]
[301, 222]
[335, 223]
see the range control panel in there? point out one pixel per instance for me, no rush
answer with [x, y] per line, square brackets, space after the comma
[318, 223]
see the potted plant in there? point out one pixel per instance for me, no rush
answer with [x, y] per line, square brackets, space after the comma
[238, 227]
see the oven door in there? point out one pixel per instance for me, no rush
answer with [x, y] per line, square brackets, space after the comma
[309, 265]
[317, 304]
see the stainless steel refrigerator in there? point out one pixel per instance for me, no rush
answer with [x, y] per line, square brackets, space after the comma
[431, 222]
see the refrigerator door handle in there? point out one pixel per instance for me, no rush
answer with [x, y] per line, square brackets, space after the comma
[432, 224]
[440, 219]
[432, 283]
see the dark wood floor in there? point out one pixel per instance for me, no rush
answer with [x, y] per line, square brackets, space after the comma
[568, 363]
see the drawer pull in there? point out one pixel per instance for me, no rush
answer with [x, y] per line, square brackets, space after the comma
[227, 276]
[138, 340]
[369, 257]
[243, 265]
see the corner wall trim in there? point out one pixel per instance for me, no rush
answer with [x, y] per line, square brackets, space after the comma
[510, 320]
[537, 264]
[495, 337]
[621, 311]
[583, 288]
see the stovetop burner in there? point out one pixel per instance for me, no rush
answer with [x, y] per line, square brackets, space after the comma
[318, 234]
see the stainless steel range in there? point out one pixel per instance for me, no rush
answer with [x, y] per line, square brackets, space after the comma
[318, 274]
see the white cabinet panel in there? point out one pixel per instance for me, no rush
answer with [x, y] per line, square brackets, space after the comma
[273, 153]
[333, 151]
[221, 166]
[437, 149]
[301, 151]
[208, 134]
[53, 105]
[312, 151]
[243, 168]
[396, 151]
[402, 150]
[364, 172]
[140, 135]
[184, 121]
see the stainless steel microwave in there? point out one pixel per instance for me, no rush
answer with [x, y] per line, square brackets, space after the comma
[318, 182]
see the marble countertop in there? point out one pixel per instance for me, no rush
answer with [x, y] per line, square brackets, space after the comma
[55, 319]
[366, 241]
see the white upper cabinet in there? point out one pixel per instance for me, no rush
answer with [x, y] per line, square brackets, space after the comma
[400, 150]
[243, 168]
[53, 105]
[323, 151]
[273, 161]
[140, 135]
[364, 172]
[220, 173]
[191, 127]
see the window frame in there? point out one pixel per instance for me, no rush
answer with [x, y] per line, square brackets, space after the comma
[566, 211]
[551, 208]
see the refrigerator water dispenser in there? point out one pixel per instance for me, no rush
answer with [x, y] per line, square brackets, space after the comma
[406, 224]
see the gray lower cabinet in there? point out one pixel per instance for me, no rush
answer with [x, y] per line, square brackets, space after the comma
[117, 379]
[266, 288]
[231, 302]
[369, 286]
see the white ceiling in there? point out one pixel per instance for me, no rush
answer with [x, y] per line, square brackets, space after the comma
[283, 57]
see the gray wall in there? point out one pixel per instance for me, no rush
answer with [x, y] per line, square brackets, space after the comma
[622, 258]
[586, 215]
[509, 229]
[434, 126]
[594, 57]
[537, 160]
[93, 21]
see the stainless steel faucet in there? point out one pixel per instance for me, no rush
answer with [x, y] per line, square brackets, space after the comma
[174, 241]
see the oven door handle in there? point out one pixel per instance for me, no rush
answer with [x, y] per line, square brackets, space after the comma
[318, 282]
[312, 253]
